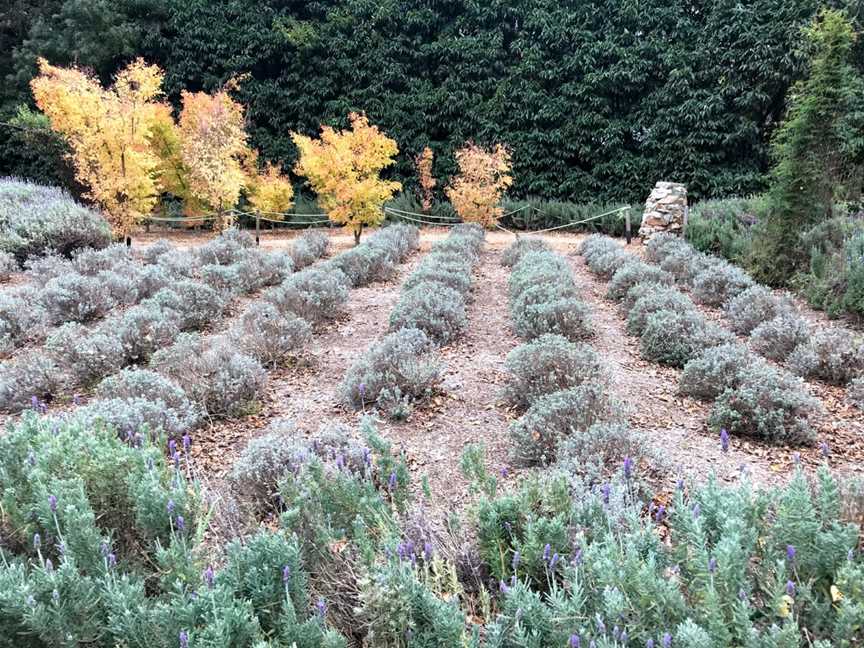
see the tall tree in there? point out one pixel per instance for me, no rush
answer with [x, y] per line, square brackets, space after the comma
[817, 150]
[484, 175]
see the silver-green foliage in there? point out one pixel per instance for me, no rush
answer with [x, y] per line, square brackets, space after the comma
[548, 364]
[556, 416]
[674, 338]
[720, 282]
[400, 361]
[634, 272]
[835, 355]
[313, 294]
[754, 306]
[522, 245]
[269, 336]
[433, 308]
[716, 369]
[767, 404]
[777, 338]
[655, 299]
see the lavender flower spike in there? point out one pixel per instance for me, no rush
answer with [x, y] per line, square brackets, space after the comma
[209, 577]
[392, 483]
[575, 641]
[628, 467]
[286, 574]
[790, 553]
[790, 588]
[184, 639]
[724, 440]
[52, 503]
[667, 640]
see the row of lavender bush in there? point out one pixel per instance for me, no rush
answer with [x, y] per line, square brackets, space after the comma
[555, 380]
[750, 397]
[775, 328]
[400, 370]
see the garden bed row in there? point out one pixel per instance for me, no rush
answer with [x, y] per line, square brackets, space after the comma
[556, 380]
[76, 356]
[400, 370]
[750, 397]
[774, 327]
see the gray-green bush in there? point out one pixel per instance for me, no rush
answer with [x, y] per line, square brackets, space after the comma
[269, 336]
[675, 338]
[778, 337]
[655, 299]
[433, 308]
[754, 306]
[548, 364]
[834, 355]
[719, 282]
[716, 369]
[634, 272]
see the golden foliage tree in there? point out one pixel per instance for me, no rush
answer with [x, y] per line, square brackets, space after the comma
[128, 150]
[212, 147]
[268, 191]
[484, 175]
[427, 180]
[344, 167]
[108, 131]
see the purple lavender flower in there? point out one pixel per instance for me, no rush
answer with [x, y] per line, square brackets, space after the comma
[427, 551]
[31, 602]
[696, 510]
[52, 503]
[31, 458]
[660, 513]
[184, 639]
[49, 566]
[367, 457]
[104, 549]
[37, 541]
[796, 458]
[34, 402]
[712, 565]
[824, 450]
[112, 560]
[187, 442]
[605, 489]
[55, 596]
[321, 607]
[575, 641]
[790, 553]
[503, 471]
[790, 588]
[742, 595]
[724, 440]
[172, 447]
[340, 461]
[391, 484]
[592, 644]
[616, 633]
[76, 399]
[209, 577]
[547, 550]
[553, 560]
[361, 389]
[180, 522]
[286, 574]
[503, 587]
[628, 467]
[680, 486]
[601, 627]
[667, 640]
[170, 507]
[649, 643]
[624, 637]
[577, 557]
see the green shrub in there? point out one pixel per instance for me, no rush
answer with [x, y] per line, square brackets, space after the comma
[548, 364]
[195, 304]
[433, 308]
[145, 384]
[310, 246]
[606, 265]
[21, 320]
[674, 338]
[766, 404]
[635, 272]
[570, 318]
[662, 245]
[754, 306]
[777, 338]
[600, 451]
[834, 355]
[554, 417]
[314, 294]
[457, 278]
[143, 329]
[84, 356]
[855, 393]
[28, 379]
[724, 227]
[364, 264]
[597, 244]
[715, 370]
[75, 298]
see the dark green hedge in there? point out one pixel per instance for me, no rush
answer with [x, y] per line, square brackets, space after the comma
[597, 100]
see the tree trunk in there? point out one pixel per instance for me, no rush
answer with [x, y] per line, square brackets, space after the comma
[128, 241]
[358, 230]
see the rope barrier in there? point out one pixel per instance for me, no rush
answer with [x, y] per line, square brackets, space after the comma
[585, 220]
[393, 210]
[286, 222]
[181, 219]
[422, 222]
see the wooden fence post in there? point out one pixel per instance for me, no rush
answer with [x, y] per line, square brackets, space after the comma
[627, 225]
[257, 229]
[686, 219]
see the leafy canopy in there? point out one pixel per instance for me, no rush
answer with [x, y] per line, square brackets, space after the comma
[344, 167]
[484, 175]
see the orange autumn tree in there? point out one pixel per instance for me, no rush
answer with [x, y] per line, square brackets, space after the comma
[344, 167]
[108, 131]
[427, 180]
[484, 175]
[268, 191]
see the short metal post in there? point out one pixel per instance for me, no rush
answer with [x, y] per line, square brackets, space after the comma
[257, 229]
[627, 225]
[686, 219]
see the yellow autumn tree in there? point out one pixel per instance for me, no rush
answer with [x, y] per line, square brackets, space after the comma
[484, 175]
[212, 147]
[108, 131]
[268, 191]
[344, 170]
[427, 180]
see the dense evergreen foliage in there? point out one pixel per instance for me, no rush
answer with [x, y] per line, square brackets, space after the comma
[596, 100]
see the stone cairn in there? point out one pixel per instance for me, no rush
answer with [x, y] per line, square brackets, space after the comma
[664, 210]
